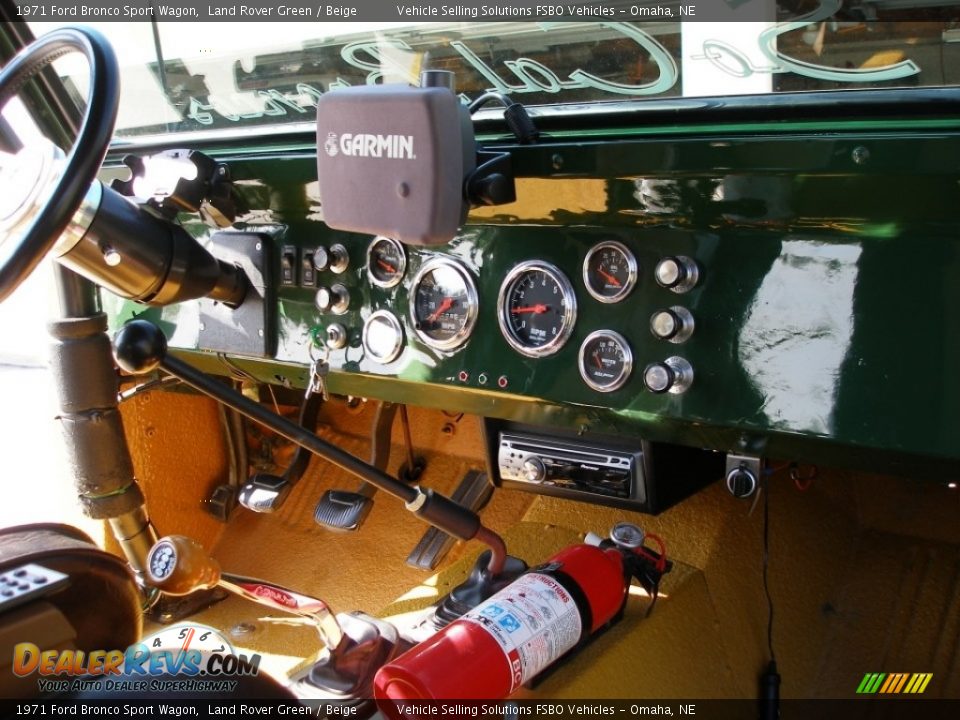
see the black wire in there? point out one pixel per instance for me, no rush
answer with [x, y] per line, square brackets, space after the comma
[766, 563]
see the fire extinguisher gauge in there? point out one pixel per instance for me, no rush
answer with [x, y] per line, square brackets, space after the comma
[627, 536]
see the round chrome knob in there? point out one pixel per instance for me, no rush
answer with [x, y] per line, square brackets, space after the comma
[334, 299]
[321, 259]
[678, 273]
[674, 324]
[673, 375]
[339, 258]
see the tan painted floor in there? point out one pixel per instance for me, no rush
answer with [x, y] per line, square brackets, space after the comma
[864, 570]
[864, 574]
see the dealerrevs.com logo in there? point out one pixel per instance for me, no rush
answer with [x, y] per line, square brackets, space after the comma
[397, 147]
[183, 658]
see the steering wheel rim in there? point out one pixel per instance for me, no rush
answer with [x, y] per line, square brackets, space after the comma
[19, 257]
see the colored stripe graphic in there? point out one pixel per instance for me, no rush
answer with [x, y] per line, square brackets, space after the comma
[891, 680]
[894, 683]
[899, 686]
[870, 683]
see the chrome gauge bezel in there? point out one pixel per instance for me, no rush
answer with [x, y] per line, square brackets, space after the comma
[395, 324]
[627, 360]
[473, 303]
[633, 271]
[401, 271]
[569, 302]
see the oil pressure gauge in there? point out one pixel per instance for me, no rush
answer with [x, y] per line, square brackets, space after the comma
[386, 262]
[610, 271]
[606, 360]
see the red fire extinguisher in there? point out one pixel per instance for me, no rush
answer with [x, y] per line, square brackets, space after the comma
[514, 635]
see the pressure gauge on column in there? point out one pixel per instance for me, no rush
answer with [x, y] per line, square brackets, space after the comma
[605, 361]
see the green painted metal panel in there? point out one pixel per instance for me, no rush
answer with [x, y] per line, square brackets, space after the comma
[827, 318]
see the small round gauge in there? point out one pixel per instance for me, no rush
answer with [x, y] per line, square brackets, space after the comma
[383, 336]
[443, 303]
[606, 360]
[610, 271]
[537, 309]
[386, 262]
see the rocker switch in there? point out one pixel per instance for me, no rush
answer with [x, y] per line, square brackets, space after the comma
[288, 266]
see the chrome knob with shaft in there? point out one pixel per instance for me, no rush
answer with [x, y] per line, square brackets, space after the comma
[673, 375]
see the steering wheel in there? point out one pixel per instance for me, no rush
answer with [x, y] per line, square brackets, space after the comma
[40, 193]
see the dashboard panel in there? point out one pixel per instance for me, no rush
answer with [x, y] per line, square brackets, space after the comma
[744, 293]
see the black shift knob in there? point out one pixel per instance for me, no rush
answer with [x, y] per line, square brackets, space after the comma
[139, 347]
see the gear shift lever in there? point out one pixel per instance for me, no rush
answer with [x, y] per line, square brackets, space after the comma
[179, 565]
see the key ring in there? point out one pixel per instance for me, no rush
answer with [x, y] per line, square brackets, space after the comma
[318, 353]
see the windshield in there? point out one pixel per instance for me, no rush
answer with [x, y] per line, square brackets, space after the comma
[189, 76]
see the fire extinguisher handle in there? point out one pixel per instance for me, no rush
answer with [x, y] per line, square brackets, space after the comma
[647, 567]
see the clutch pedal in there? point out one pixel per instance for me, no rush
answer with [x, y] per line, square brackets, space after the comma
[265, 493]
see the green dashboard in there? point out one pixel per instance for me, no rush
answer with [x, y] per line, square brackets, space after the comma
[813, 303]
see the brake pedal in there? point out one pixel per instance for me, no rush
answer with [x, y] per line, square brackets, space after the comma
[342, 509]
[346, 510]
[473, 492]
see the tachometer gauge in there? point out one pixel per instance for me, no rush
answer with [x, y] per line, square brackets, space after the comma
[386, 262]
[537, 309]
[606, 360]
[610, 271]
[443, 303]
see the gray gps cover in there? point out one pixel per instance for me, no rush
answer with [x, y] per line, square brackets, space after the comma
[392, 160]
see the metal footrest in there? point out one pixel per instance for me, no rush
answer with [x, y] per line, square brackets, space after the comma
[342, 510]
[473, 492]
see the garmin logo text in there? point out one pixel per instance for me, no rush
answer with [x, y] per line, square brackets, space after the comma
[366, 145]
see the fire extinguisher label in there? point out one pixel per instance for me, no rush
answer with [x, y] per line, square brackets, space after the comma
[534, 620]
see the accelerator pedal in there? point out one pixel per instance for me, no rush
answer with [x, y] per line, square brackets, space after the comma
[473, 492]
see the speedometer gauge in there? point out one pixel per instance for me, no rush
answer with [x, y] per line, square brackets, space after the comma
[605, 360]
[537, 309]
[443, 303]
